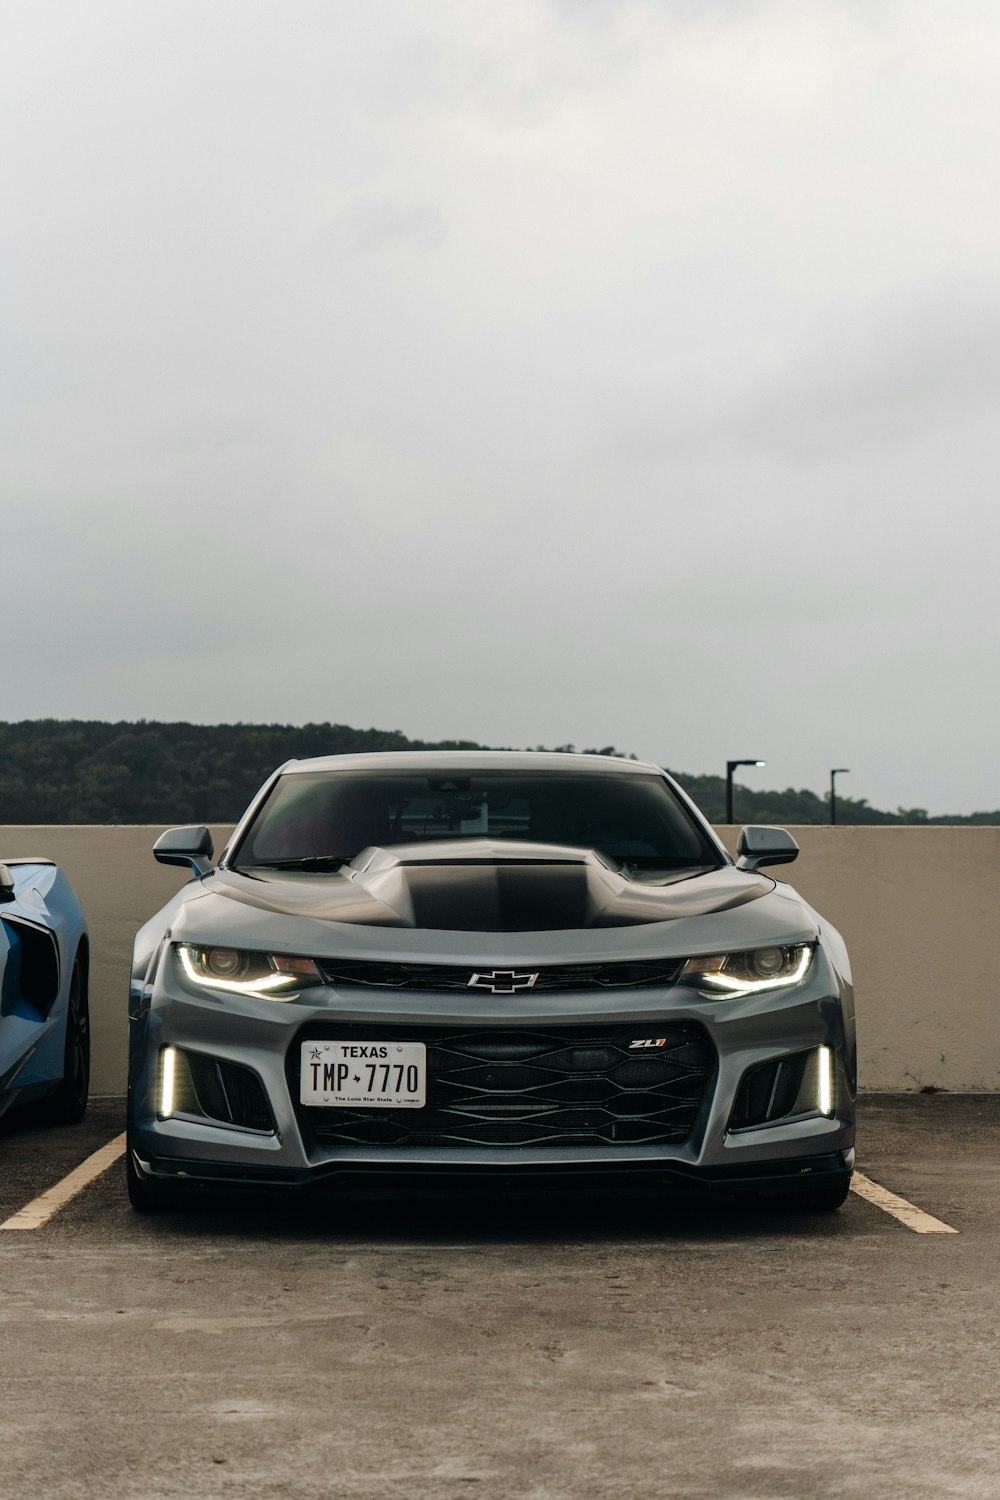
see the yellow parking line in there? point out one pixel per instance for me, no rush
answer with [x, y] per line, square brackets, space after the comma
[891, 1203]
[40, 1210]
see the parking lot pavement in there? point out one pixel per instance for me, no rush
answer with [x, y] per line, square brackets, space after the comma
[942, 1150]
[35, 1157]
[508, 1349]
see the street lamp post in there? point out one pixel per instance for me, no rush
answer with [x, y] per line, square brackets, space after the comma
[730, 768]
[837, 771]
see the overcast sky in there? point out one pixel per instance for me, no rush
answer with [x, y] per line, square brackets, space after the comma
[539, 372]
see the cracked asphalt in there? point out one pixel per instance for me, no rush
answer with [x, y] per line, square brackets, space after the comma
[510, 1348]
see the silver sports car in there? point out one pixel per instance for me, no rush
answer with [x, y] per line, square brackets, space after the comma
[431, 971]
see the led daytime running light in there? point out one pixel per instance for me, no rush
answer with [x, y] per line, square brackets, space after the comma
[751, 986]
[717, 981]
[168, 1061]
[267, 984]
[825, 1060]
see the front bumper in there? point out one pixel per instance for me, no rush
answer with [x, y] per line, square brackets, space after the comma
[790, 1154]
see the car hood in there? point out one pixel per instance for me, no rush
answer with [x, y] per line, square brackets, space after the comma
[484, 898]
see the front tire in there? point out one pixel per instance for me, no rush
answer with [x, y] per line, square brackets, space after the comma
[145, 1197]
[821, 1200]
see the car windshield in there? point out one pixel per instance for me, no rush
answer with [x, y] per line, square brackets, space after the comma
[322, 819]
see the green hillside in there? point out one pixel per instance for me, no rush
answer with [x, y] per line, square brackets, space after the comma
[82, 771]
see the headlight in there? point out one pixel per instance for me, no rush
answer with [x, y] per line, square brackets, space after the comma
[272, 976]
[749, 972]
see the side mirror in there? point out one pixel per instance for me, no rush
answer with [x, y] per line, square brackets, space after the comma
[765, 846]
[186, 846]
[6, 884]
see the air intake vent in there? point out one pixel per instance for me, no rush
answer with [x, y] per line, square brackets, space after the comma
[776, 1090]
[31, 973]
[219, 1090]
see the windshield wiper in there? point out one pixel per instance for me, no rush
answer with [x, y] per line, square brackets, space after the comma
[305, 862]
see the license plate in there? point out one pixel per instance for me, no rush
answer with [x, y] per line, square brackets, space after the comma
[364, 1075]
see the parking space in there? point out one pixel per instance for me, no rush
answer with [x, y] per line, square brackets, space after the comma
[34, 1157]
[513, 1349]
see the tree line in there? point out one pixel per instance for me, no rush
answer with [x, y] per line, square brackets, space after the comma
[88, 771]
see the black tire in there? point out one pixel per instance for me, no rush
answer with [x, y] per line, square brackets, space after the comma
[144, 1198]
[822, 1200]
[68, 1104]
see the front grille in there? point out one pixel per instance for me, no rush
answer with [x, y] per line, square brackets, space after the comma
[563, 1086]
[635, 974]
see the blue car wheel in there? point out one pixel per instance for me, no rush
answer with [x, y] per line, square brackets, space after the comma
[68, 1104]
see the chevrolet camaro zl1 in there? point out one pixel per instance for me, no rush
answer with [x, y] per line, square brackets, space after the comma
[44, 1018]
[427, 971]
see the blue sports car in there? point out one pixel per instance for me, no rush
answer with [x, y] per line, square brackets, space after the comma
[44, 1016]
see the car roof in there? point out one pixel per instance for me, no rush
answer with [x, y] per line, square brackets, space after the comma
[473, 761]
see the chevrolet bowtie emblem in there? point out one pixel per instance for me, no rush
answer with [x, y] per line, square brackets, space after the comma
[502, 981]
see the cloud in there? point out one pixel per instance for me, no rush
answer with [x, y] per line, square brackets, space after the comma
[371, 226]
[888, 375]
[595, 371]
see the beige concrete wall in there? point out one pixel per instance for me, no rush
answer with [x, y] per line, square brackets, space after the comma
[918, 908]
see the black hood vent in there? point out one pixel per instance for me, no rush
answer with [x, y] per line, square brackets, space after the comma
[500, 897]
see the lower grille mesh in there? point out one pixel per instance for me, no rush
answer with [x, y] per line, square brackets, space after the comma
[569, 1086]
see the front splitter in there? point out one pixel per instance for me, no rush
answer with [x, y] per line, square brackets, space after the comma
[420, 1180]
